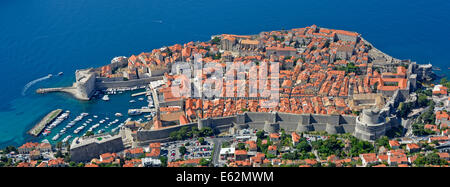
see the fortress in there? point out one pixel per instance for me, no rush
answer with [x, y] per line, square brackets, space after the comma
[88, 81]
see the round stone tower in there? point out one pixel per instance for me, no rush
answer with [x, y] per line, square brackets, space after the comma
[370, 116]
[370, 125]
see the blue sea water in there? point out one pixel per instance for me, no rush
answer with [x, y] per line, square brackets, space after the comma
[39, 37]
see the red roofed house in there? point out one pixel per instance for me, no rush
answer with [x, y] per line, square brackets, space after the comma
[368, 158]
[395, 159]
[91, 165]
[59, 162]
[44, 147]
[134, 153]
[412, 147]
[440, 90]
[440, 139]
[27, 147]
[394, 144]
[295, 138]
[240, 155]
[274, 137]
[272, 149]
[252, 145]
[310, 162]
[444, 156]
[24, 165]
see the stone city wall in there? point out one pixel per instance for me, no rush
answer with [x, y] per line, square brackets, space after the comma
[270, 122]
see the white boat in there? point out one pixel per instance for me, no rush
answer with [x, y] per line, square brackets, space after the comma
[66, 139]
[76, 131]
[134, 112]
[105, 98]
[58, 120]
[141, 99]
[132, 101]
[118, 114]
[56, 137]
[60, 73]
[46, 132]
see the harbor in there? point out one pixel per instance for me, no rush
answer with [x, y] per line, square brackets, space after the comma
[72, 123]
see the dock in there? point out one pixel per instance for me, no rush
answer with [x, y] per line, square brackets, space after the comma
[138, 94]
[37, 129]
[143, 110]
[70, 90]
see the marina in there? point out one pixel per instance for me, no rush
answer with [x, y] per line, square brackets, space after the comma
[65, 128]
[55, 123]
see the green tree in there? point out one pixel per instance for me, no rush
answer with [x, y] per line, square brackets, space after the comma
[72, 164]
[359, 147]
[89, 133]
[201, 140]
[445, 82]
[260, 134]
[383, 141]
[163, 160]
[226, 144]
[206, 131]
[303, 146]
[215, 40]
[423, 100]
[331, 164]
[9, 149]
[204, 162]
[329, 146]
[182, 150]
[240, 146]
[430, 159]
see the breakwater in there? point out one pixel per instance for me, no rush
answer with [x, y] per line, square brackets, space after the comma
[37, 129]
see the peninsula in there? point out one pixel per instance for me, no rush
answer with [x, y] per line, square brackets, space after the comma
[258, 98]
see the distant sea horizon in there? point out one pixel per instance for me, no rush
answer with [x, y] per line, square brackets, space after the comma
[41, 37]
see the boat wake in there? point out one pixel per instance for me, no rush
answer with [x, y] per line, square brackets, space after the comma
[28, 85]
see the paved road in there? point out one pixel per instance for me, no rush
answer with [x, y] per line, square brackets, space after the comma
[217, 145]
